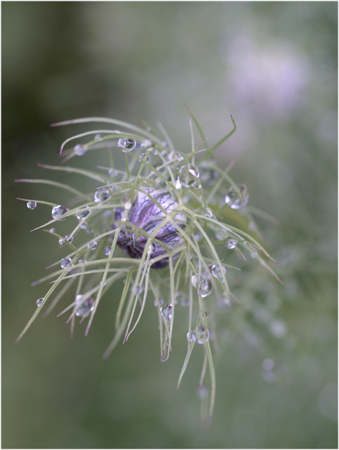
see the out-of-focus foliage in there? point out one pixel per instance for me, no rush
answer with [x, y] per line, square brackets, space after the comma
[273, 66]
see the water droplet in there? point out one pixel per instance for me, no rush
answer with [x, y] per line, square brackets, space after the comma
[164, 144]
[237, 199]
[148, 144]
[268, 364]
[144, 157]
[160, 302]
[61, 241]
[107, 250]
[198, 237]
[138, 289]
[220, 234]
[80, 149]
[164, 154]
[112, 173]
[216, 272]
[175, 156]
[178, 184]
[184, 301]
[201, 335]
[83, 308]
[82, 213]
[69, 238]
[190, 336]
[92, 245]
[207, 173]
[52, 230]
[101, 195]
[166, 312]
[89, 230]
[32, 204]
[127, 144]
[207, 212]
[65, 262]
[59, 211]
[231, 243]
[202, 392]
[188, 176]
[202, 284]
[97, 137]
[39, 301]
[278, 328]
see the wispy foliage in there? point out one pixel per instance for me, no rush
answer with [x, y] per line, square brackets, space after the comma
[159, 225]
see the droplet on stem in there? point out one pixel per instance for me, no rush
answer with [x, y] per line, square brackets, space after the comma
[127, 144]
[188, 176]
[166, 312]
[59, 211]
[144, 157]
[203, 284]
[207, 212]
[80, 149]
[201, 334]
[190, 336]
[236, 198]
[148, 144]
[112, 173]
[101, 195]
[65, 262]
[107, 250]
[231, 243]
[216, 272]
[83, 308]
[92, 245]
[220, 234]
[32, 204]
[82, 213]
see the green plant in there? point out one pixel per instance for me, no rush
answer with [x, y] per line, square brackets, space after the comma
[158, 225]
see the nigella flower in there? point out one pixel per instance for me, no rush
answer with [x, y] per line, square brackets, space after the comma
[163, 210]
[147, 213]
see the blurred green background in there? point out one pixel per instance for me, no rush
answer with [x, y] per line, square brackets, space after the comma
[273, 66]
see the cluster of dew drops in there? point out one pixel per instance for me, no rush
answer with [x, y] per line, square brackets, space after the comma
[188, 176]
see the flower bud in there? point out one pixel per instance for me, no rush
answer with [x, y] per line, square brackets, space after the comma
[146, 215]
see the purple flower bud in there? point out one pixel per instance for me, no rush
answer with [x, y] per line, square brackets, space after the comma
[147, 215]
